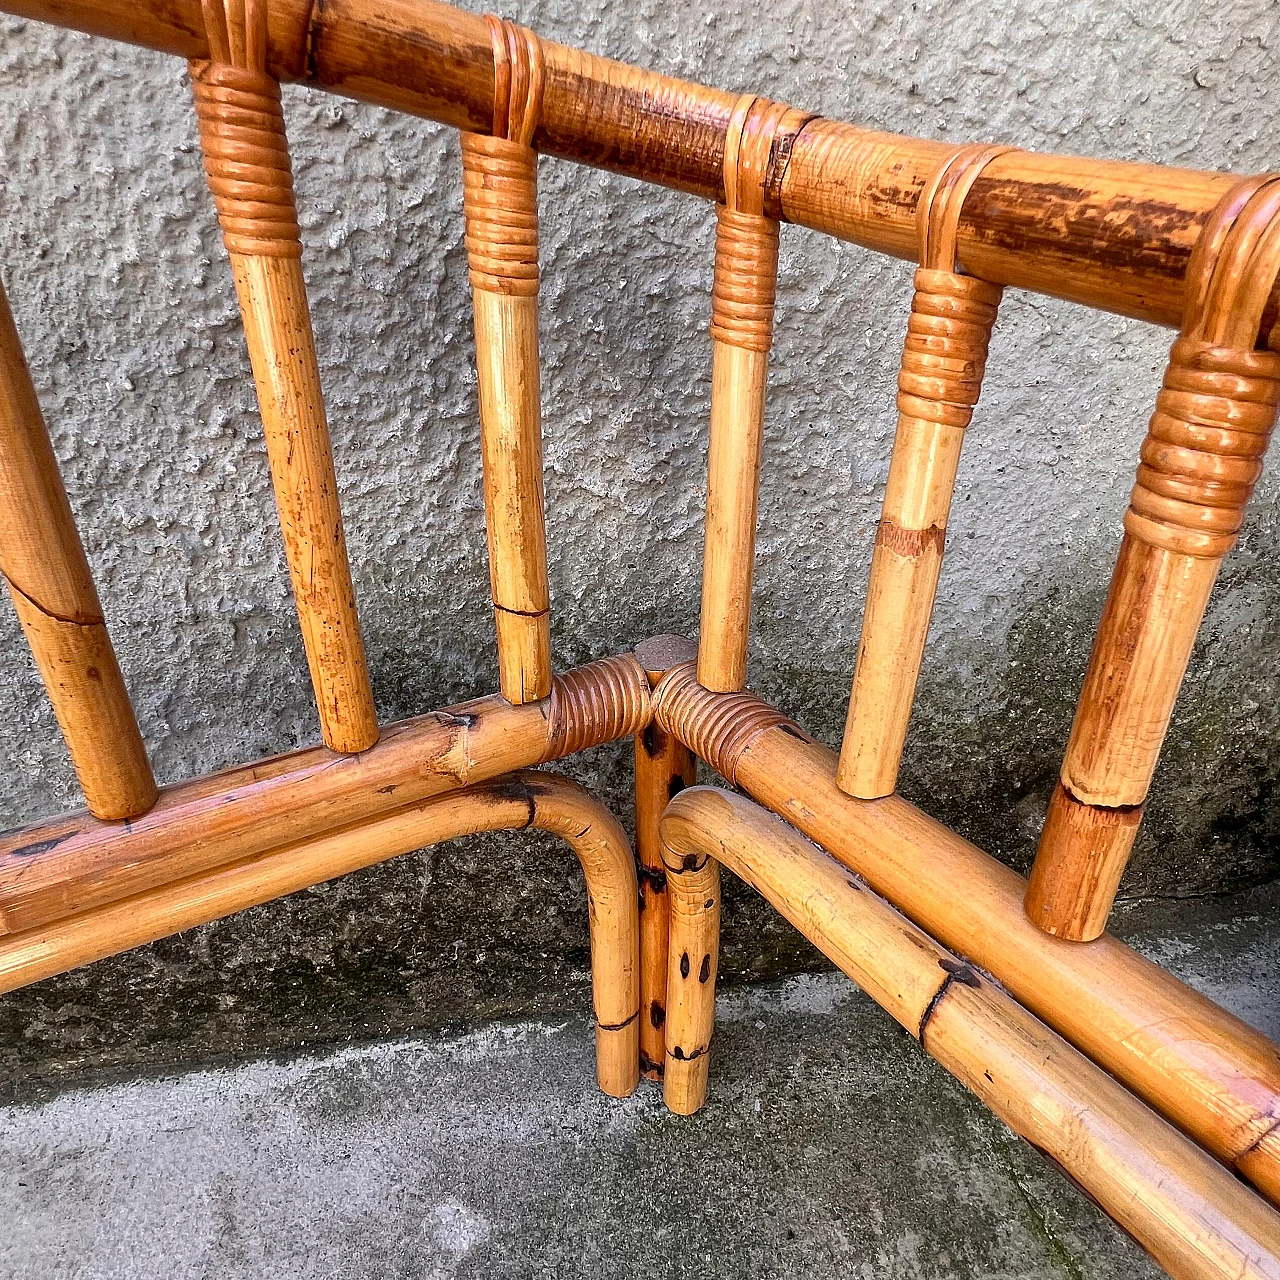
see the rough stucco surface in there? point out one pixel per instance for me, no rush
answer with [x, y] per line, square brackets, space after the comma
[122, 292]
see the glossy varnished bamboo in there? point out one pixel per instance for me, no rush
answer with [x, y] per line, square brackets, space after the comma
[44, 566]
[500, 201]
[943, 362]
[1105, 233]
[1202, 455]
[1182, 1206]
[247, 164]
[743, 289]
[664, 767]
[71, 864]
[527, 799]
[1205, 1070]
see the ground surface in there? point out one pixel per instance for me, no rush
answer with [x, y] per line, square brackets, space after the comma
[831, 1147]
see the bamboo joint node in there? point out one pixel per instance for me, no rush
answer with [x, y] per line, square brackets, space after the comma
[242, 137]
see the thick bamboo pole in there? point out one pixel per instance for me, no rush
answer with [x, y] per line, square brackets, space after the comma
[500, 200]
[1203, 452]
[69, 865]
[664, 767]
[526, 799]
[48, 576]
[247, 163]
[742, 301]
[1108, 234]
[943, 362]
[1208, 1072]
[1183, 1207]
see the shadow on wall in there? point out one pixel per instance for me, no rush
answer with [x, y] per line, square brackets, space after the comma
[991, 725]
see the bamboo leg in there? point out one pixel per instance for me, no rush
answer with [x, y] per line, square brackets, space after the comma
[1213, 421]
[55, 869]
[691, 977]
[742, 302]
[664, 767]
[500, 201]
[1177, 1202]
[247, 164]
[1204, 1069]
[526, 799]
[48, 576]
[943, 362]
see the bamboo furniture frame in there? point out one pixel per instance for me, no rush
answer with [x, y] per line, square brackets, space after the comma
[1140, 1088]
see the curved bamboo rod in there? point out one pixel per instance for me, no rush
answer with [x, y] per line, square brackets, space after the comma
[664, 766]
[525, 799]
[943, 362]
[1202, 456]
[246, 160]
[1108, 234]
[1205, 1070]
[500, 201]
[1182, 1206]
[44, 566]
[742, 301]
[58, 868]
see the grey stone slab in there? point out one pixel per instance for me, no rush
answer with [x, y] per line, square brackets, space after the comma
[831, 1147]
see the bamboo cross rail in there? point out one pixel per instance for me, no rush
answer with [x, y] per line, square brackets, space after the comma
[1184, 1208]
[943, 362]
[246, 160]
[1206, 1071]
[527, 799]
[1082, 1035]
[1202, 455]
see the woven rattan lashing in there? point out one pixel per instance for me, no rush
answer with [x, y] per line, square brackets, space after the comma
[944, 359]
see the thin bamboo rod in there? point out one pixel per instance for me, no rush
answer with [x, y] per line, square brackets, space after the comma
[664, 767]
[1203, 452]
[44, 566]
[526, 799]
[943, 362]
[500, 201]
[694, 949]
[246, 161]
[742, 302]
[1183, 1207]
[58, 868]
[1108, 234]
[1206, 1071]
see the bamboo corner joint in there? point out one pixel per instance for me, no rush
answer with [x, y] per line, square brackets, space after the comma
[1157, 1102]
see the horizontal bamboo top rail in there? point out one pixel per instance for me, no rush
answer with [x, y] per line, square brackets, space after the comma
[1105, 233]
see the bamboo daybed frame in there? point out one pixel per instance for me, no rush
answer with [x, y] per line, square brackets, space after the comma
[1163, 1107]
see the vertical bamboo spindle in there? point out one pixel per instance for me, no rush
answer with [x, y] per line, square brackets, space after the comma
[500, 200]
[742, 300]
[664, 768]
[691, 977]
[44, 565]
[943, 361]
[1202, 455]
[246, 160]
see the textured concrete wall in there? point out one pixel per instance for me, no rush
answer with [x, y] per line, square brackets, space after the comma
[122, 292]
